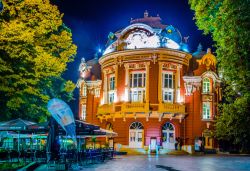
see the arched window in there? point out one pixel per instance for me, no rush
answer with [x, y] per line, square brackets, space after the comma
[206, 85]
[168, 126]
[136, 137]
[136, 125]
[168, 135]
[109, 126]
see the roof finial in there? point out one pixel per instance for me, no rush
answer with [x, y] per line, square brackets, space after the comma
[186, 39]
[145, 14]
[83, 60]
[208, 50]
[199, 48]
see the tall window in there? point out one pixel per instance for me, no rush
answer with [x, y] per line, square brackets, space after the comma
[83, 116]
[206, 110]
[111, 89]
[137, 80]
[168, 86]
[137, 86]
[84, 91]
[206, 85]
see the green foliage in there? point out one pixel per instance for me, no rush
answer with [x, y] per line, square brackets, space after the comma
[228, 22]
[35, 47]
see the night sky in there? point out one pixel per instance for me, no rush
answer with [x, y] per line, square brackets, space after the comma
[92, 20]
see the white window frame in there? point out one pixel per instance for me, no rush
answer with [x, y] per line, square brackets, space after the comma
[111, 88]
[206, 110]
[84, 112]
[206, 85]
[137, 93]
[84, 91]
[112, 82]
[111, 96]
[166, 89]
[97, 92]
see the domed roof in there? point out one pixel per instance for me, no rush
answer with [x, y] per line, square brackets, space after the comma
[147, 32]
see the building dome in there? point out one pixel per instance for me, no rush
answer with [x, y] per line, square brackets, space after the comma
[147, 32]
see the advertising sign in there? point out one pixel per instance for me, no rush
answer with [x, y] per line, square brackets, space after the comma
[62, 113]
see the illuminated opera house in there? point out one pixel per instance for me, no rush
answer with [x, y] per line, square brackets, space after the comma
[150, 89]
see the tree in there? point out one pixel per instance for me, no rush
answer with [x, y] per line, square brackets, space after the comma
[228, 22]
[35, 47]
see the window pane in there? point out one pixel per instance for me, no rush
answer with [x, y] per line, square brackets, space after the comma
[140, 80]
[206, 110]
[170, 81]
[135, 80]
[131, 79]
[206, 85]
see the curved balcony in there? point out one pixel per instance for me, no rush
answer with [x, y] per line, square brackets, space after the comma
[135, 107]
[173, 108]
[106, 109]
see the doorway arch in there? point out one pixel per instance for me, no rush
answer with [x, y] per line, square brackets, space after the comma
[136, 135]
[168, 135]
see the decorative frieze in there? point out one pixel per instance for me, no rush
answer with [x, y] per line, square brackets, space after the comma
[191, 83]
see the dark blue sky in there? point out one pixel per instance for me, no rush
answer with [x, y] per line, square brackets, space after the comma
[92, 20]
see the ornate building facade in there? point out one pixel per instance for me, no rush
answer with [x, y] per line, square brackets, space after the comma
[149, 89]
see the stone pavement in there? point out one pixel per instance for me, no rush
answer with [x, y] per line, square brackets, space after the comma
[170, 163]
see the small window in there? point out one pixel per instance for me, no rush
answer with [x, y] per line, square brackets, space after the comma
[84, 91]
[168, 96]
[137, 95]
[111, 97]
[206, 85]
[168, 80]
[206, 110]
[112, 83]
[83, 117]
[137, 80]
[97, 92]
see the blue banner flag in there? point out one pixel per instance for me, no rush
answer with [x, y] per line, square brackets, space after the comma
[62, 113]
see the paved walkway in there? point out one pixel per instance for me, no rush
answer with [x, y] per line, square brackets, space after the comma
[170, 163]
[173, 163]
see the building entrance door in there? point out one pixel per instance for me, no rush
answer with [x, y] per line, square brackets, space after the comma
[168, 136]
[136, 135]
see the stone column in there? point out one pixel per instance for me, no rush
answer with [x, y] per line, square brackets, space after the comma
[126, 92]
[105, 84]
[160, 83]
[178, 85]
[116, 79]
[147, 82]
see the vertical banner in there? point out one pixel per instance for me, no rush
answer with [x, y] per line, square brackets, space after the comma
[62, 113]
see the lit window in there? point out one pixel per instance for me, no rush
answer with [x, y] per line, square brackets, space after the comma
[206, 110]
[112, 83]
[206, 85]
[97, 92]
[83, 117]
[84, 91]
[137, 80]
[137, 95]
[168, 96]
[168, 87]
[111, 97]
[111, 93]
[168, 80]
[137, 86]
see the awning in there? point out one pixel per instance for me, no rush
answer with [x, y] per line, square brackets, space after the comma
[15, 125]
[108, 133]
